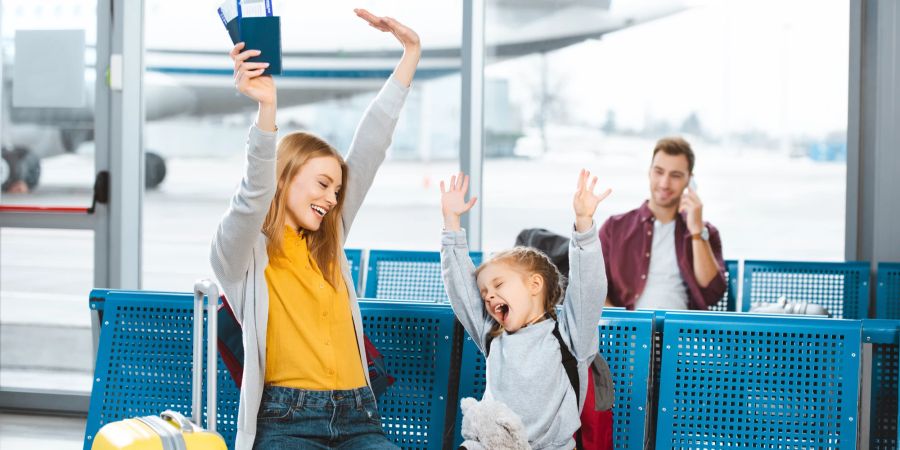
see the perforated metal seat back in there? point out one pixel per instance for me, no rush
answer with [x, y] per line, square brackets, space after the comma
[729, 300]
[887, 301]
[407, 276]
[144, 363]
[742, 381]
[841, 288]
[417, 343]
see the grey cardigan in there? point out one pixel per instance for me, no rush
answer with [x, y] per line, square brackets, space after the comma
[524, 369]
[238, 255]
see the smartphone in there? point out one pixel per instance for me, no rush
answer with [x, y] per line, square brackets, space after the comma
[693, 183]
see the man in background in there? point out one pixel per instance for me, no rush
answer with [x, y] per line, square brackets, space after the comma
[662, 255]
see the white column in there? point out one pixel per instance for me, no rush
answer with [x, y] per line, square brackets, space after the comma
[126, 153]
[471, 149]
[873, 137]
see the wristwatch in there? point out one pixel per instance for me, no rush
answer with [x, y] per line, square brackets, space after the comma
[703, 234]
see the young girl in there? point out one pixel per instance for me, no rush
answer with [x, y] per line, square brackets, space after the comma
[507, 306]
[278, 255]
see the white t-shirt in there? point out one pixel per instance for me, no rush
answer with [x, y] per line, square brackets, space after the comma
[665, 288]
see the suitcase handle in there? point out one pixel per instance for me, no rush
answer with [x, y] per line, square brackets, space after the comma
[170, 437]
[183, 422]
[205, 288]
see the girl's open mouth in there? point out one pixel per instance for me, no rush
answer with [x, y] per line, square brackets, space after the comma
[502, 311]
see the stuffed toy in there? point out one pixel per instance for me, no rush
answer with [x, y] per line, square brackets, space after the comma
[491, 425]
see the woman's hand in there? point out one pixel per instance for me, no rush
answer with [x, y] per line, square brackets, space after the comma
[248, 76]
[412, 49]
[407, 37]
[453, 201]
[250, 81]
[585, 202]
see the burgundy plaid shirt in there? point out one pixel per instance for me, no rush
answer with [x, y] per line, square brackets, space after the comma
[627, 240]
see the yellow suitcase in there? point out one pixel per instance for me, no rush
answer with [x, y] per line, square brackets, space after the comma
[171, 430]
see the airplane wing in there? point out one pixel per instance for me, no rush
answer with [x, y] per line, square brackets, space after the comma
[322, 61]
[199, 82]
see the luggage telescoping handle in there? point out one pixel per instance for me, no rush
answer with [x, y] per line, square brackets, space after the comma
[184, 424]
[205, 288]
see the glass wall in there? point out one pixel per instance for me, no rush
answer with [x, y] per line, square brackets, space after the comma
[45, 333]
[47, 98]
[48, 56]
[759, 89]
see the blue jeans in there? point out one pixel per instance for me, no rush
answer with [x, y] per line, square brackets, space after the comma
[301, 419]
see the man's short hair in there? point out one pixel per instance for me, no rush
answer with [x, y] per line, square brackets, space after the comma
[674, 146]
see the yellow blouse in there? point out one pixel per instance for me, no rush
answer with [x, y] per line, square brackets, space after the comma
[311, 341]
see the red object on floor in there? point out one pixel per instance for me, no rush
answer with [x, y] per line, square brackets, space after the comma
[44, 209]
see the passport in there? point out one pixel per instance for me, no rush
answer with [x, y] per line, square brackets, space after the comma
[252, 23]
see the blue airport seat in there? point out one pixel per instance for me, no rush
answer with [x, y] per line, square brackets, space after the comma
[407, 275]
[729, 300]
[887, 300]
[416, 341]
[354, 258]
[841, 288]
[754, 381]
[626, 341]
[884, 421]
[472, 381]
[144, 363]
[725, 380]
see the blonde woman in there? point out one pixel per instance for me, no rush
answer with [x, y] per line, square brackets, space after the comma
[278, 255]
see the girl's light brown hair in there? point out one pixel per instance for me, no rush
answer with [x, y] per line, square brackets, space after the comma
[294, 150]
[528, 261]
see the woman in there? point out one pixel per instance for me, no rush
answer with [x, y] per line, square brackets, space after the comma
[278, 255]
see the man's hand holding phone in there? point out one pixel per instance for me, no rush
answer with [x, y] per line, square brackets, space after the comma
[691, 204]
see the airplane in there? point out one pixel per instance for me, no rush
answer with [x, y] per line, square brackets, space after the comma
[327, 54]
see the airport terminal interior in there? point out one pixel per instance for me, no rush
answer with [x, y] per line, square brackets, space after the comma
[126, 163]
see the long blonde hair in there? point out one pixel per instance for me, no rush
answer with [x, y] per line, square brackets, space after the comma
[294, 150]
[530, 261]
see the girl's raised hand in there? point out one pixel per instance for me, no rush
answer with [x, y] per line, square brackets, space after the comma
[585, 202]
[453, 200]
[248, 76]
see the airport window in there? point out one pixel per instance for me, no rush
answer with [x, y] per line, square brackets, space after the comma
[198, 124]
[46, 274]
[47, 106]
[45, 323]
[759, 89]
